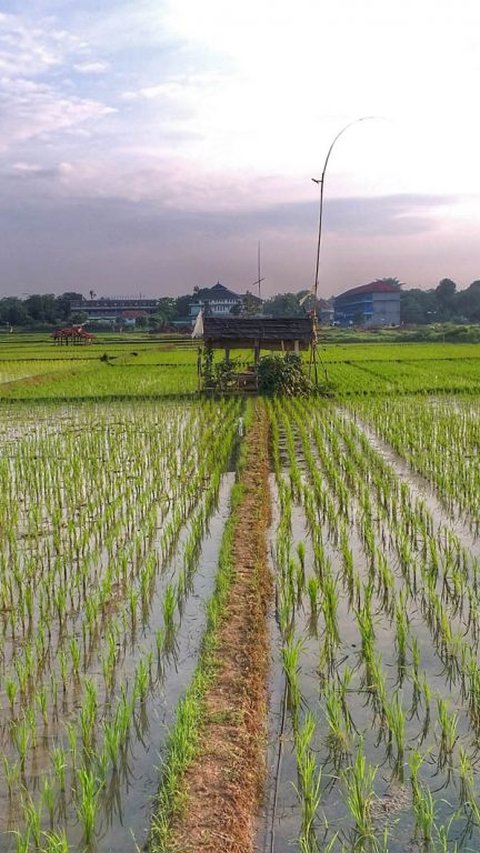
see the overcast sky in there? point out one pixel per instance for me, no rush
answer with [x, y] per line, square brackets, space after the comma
[147, 146]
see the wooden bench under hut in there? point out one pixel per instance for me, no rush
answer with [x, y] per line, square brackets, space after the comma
[292, 334]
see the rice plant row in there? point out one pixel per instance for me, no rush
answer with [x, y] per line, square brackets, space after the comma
[440, 440]
[103, 514]
[378, 604]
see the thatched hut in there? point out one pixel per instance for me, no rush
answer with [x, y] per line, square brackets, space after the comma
[73, 335]
[290, 334]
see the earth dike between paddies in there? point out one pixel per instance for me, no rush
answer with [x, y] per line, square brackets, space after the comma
[214, 770]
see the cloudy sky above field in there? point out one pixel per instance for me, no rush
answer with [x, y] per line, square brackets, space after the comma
[147, 146]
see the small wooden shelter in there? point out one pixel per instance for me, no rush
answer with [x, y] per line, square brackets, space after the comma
[290, 334]
[72, 334]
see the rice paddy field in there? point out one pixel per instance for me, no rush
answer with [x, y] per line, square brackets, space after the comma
[377, 560]
[116, 488]
[121, 367]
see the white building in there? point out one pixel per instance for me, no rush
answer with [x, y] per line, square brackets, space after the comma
[217, 301]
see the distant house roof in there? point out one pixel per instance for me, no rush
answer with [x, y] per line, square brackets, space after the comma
[218, 291]
[373, 287]
[267, 332]
[133, 314]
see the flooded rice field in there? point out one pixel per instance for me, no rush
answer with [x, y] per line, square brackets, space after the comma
[112, 520]
[374, 723]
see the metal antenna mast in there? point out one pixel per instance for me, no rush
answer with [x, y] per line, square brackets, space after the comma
[259, 278]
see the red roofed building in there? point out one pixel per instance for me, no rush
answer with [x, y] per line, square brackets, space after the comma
[374, 304]
[134, 315]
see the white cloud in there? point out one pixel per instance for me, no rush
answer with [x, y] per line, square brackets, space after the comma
[182, 87]
[146, 92]
[37, 99]
[30, 110]
[57, 173]
[29, 49]
[27, 168]
[92, 67]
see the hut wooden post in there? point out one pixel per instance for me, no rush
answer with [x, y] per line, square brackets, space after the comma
[199, 369]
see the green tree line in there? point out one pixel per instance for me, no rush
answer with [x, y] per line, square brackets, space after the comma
[442, 304]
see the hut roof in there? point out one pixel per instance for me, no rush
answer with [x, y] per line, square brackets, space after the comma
[73, 332]
[245, 331]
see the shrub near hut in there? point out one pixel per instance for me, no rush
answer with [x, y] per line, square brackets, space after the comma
[283, 374]
[217, 377]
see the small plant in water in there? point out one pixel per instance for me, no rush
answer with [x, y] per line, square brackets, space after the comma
[358, 780]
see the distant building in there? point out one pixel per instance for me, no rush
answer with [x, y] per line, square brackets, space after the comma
[325, 311]
[128, 309]
[374, 304]
[217, 301]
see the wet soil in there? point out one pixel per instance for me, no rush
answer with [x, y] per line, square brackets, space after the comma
[224, 785]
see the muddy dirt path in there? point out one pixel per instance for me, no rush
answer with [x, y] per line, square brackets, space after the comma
[224, 785]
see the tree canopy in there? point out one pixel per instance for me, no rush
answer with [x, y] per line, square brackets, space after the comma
[444, 303]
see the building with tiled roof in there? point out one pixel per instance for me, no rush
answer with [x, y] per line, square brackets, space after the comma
[374, 304]
[216, 301]
[112, 307]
